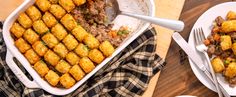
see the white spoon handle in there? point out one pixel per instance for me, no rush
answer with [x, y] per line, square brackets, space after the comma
[171, 24]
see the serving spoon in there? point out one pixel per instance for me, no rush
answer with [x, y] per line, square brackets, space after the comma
[114, 10]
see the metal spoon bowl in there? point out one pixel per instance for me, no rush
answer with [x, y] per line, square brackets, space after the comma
[114, 10]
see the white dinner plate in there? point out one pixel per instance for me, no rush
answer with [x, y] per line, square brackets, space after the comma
[205, 21]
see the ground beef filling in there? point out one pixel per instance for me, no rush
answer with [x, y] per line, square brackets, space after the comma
[92, 17]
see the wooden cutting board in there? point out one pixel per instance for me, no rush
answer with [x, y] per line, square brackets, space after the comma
[170, 9]
[164, 8]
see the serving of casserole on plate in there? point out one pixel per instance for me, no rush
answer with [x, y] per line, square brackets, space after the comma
[62, 43]
[217, 24]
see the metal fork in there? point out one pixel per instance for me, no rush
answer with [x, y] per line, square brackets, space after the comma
[199, 38]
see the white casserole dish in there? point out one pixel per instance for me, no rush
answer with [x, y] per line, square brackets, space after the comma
[138, 27]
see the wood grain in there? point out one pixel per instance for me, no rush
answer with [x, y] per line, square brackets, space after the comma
[7, 6]
[177, 77]
[170, 9]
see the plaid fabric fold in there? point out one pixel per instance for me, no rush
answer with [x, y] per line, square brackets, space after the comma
[128, 74]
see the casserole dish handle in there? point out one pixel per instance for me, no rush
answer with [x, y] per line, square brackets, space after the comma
[19, 74]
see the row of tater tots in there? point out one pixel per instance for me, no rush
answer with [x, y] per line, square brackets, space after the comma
[63, 45]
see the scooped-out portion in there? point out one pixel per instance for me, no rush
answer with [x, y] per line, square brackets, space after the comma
[92, 17]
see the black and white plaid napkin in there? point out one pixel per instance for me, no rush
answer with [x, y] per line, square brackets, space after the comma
[128, 74]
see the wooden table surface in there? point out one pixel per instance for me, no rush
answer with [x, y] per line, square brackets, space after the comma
[177, 77]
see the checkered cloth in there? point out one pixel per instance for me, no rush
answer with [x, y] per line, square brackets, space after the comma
[128, 74]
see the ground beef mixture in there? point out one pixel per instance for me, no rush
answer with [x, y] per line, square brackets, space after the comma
[92, 17]
[215, 43]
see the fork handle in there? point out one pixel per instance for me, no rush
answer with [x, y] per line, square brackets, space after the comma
[213, 75]
[208, 74]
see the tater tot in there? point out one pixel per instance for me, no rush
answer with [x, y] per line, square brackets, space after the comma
[226, 42]
[70, 42]
[22, 45]
[17, 30]
[24, 20]
[43, 5]
[57, 11]
[52, 78]
[228, 26]
[72, 58]
[49, 19]
[96, 56]
[79, 2]
[69, 22]
[50, 40]
[59, 31]
[91, 42]
[63, 66]
[61, 50]
[82, 50]
[231, 70]
[77, 72]
[234, 48]
[106, 48]
[217, 65]
[52, 58]
[231, 15]
[68, 5]
[40, 27]
[40, 48]
[86, 64]
[31, 36]
[32, 56]
[79, 33]
[67, 81]
[54, 1]
[33, 13]
[41, 68]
